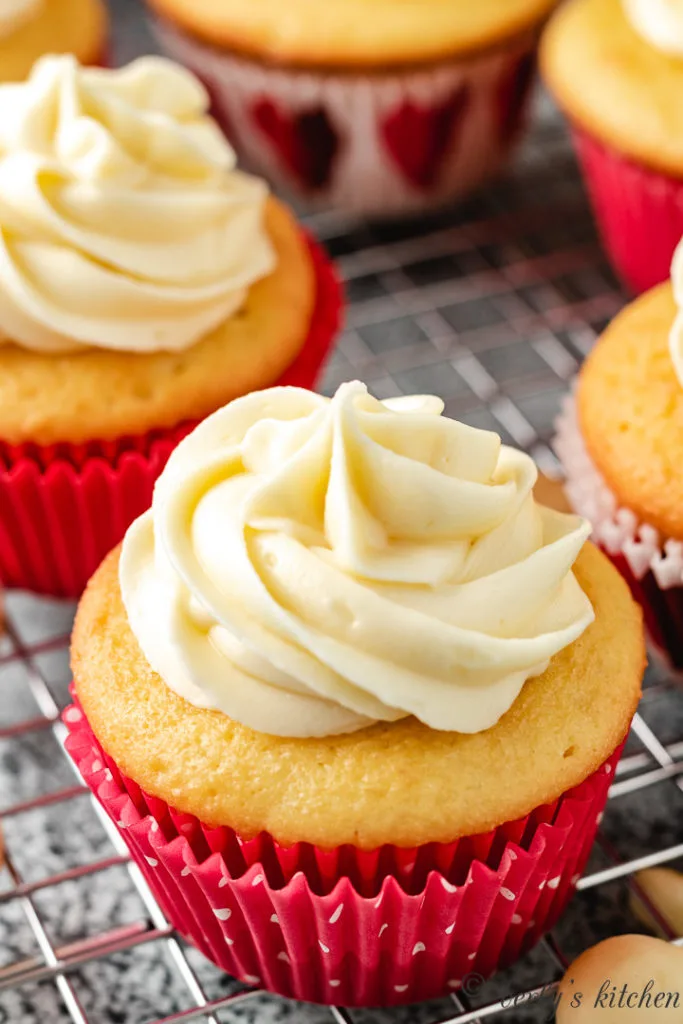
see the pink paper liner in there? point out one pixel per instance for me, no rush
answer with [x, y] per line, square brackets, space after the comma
[651, 565]
[639, 212]
[373, 143]
[64, 507]
[357, 928]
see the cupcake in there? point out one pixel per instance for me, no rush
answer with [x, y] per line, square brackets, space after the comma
[616, 69]
[144, 282]
[371, 106]
[618, 440]
[352, 697]
[31, 28]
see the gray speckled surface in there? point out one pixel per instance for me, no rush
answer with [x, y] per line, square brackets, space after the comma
[493, 306]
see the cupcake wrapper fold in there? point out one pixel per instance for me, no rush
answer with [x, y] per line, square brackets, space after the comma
[355, 928]
[371, 143]
[64, 507]
[651, 564]
[639, 212]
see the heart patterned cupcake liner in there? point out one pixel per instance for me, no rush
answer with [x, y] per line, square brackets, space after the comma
[639, 212]
[376, 143]
[64, 507]
[356, 928]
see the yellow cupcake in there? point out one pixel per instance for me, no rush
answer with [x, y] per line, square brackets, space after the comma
[614, 82]
[620, 443]
[153, 270]
[347, 671]
[616, 69]
[31, 28]
[372, 105]
[630, 409]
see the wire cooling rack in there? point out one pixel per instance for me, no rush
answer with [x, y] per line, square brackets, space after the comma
[493, 307]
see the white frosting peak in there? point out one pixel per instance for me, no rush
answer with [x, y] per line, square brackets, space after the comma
[659, 22]
[123, 223]
[311, 566]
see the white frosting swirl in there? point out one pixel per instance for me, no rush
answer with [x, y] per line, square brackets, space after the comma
[123, 223]
[311, 566]
[15, 13]
[659, 22]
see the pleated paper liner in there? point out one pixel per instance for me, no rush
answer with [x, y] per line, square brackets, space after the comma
[356, 928]
[64, 507]
[652, 565]
[639, 212]
[375, 143]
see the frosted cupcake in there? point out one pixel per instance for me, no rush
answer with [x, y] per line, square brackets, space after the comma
[31, 28]
[333, 610]
[367, 105]
[144, 282]
[616, 69]
[619, 441]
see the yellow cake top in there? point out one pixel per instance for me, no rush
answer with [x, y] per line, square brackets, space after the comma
[349, 33]
[611, 79]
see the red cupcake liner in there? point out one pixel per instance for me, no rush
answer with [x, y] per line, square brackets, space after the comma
[356, 928]
[374, 143]
[64, 507]
[638, 210]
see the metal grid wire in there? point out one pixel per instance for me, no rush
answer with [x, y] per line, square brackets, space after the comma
[492, 306]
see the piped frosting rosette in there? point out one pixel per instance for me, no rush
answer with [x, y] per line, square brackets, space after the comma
[124, 223]
[312, 566]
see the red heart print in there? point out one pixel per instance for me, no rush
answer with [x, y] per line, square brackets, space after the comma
[306, 142]
[419, 138]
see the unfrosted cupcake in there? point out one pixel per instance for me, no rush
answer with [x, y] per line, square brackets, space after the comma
[616, 69]
[31, 28]
[353, 699]
[369, 105]
[144, 282]
[620, 441]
